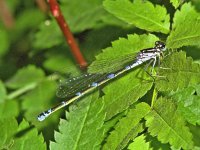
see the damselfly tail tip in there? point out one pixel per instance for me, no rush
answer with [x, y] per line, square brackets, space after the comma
[44, 115]
[40, 117]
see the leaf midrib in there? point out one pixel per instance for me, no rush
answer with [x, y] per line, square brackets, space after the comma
[148, 20]
[82, 126]
[185, 38]
[172, 129]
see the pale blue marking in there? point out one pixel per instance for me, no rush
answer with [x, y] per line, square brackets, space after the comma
[49, 111]
[44, 115]
[63, 102]
[110, 76]
[78, 94]
[94, 84]
[127, 67]
[41, 118]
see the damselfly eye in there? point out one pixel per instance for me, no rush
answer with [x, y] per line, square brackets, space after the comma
[160, 45]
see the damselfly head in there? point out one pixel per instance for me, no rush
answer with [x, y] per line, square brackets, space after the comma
[160, 45]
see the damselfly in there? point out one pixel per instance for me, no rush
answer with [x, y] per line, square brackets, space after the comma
[95, 80]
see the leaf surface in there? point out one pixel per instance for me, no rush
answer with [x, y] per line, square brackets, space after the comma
[186, 28]
[180, 72]
[8, 128]
[166, 123]
[122, 52]
[25, 76]
[175, 3]
[125, 91]
[142, 14]
[140, 144]
[3, 92]
[127, 128]
[188, 104]
[84, 127]
[9, 109]
[28, 138]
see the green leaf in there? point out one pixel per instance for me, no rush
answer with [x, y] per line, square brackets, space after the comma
[9, 109]
[166, 123]
[180, 72]
[189, 108]
[122, 51]
[38, 100]
[195, 130]
[197, 87]
[82, 16]
[140, 144]
[35, 17]
[142, 14]
[79, 16]
[61, 64]
[4, 42]
[84, 128]
[175, 3]
[28, 138]
[155, 144]
[8, 128]
[127, 128]
[122, 93]
[196, 148]
[91, 47]
[25, 76]
[3, 93]
[186, 28]
[48, 36]
[188, 104]
[108, 125]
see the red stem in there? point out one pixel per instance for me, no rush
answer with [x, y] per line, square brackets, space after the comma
[56, 12]
[6, 15]
[42, 5]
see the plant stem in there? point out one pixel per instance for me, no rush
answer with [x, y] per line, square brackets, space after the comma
[6, 15]
[42, 5]
[155, 94]
[29, 87]
[21, 91]
[56, 12]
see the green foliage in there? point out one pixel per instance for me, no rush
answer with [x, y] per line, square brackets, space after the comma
[117, 101]
[51, 39]
[26, 76]
[19, 137]
[27, 136]
[4, 42]
[127, 128]
[90, 14]
[6, 107]
[140, 144]
[83, 127]
[188, 103]
[134, 110]
[175, 3]
[142, 14]
[180, 70]
[9, 126]
[168, 129]
[186, 27]
[123, 51]
[2, 92]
